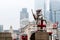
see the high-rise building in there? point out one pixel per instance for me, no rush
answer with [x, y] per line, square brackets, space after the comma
[24, 14]
[1, 28]
[46, 9]
[24, 17]
[54, 10]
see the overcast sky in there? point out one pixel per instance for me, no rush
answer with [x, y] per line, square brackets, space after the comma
[10, 12]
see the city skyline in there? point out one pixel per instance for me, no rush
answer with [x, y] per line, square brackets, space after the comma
[10, 12]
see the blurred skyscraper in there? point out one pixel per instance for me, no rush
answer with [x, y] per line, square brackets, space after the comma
[1, 28]
[24, 13]
[55, 10]
[24, 17]
[46, 9]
